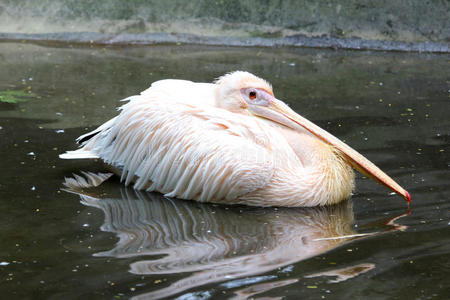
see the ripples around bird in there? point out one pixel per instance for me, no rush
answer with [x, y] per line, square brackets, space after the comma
[215, 243]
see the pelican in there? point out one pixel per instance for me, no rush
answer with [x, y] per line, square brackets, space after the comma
[231, 142]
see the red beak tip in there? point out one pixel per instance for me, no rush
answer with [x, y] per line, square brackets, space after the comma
[408, 197]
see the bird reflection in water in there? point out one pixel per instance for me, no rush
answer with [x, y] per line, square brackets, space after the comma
[215, 243]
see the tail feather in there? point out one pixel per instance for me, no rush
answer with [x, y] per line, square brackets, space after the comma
[87, 136]
[78, 154]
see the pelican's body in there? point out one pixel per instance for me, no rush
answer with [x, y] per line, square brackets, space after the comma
[226, 142]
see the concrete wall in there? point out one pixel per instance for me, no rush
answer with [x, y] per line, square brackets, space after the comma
[384, 20]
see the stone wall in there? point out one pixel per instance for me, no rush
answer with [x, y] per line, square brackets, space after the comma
[412, 21]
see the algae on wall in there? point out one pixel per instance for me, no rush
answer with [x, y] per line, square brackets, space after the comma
[402, 20]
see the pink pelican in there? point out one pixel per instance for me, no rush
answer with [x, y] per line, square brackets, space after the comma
[230, 141]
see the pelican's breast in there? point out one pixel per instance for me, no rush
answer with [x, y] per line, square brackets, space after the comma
[307, 172]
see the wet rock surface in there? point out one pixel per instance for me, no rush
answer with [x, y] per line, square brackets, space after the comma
[407, 25]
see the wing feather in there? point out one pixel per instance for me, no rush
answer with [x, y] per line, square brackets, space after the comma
[184, 150]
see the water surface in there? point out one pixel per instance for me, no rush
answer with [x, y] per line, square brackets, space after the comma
[110, 242]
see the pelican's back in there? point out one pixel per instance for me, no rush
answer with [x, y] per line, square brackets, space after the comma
[172, 139]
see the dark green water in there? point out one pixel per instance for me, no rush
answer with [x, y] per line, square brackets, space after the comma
[115, 243]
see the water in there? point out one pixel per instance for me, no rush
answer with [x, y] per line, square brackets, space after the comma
[114, 243]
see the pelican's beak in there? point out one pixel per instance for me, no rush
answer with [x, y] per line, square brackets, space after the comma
[279, 112]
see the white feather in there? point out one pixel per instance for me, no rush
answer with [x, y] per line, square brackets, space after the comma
[78, 154]
[177, 148]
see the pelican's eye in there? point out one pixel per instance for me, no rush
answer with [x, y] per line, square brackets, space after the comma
[255, 96]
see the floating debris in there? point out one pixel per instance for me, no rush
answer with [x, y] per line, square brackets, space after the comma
[15, 96]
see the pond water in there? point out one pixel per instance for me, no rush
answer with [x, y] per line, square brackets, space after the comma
[111, 242]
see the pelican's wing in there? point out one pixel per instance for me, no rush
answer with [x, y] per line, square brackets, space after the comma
[182, 150]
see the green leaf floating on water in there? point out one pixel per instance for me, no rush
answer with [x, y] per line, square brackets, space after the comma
[11, 96]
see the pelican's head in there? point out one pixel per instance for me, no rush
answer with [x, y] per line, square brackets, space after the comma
[242, 92]
[232, 91]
